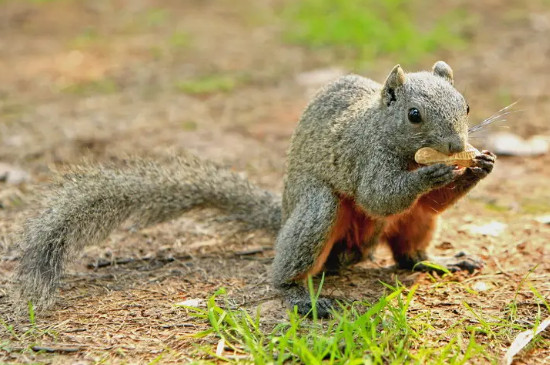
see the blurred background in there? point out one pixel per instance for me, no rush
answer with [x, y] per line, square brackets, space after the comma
[229, 79]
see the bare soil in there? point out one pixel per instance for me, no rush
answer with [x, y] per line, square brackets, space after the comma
[96, 80]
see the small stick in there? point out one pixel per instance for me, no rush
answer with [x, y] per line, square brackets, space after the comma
[55, 349]
[128, 260]
[499, 266]
[252, 251]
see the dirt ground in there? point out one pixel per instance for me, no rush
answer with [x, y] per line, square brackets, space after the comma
[98, 80]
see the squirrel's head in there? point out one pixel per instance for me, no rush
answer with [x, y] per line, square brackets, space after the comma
[426, 109]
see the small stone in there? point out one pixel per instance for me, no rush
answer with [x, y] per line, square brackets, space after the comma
[544, 219]
[196, 303]
[521, 246]
[509, 144]
[493, 229]
[446, 245]
[480, 286]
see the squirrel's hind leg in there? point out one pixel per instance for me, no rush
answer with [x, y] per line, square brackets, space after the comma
[408, 236]
[342, 256]
[360, 232]
[303, 245]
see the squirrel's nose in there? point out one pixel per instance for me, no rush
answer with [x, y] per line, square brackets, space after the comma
[455, 146]
[450, 146]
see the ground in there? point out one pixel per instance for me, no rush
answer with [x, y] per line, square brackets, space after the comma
[108, 79]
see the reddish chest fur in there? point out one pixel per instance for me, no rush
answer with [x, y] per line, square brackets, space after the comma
[408, 231]
[405, 233]
[351, 225]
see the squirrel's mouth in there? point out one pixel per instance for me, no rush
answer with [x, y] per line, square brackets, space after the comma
[430, 156]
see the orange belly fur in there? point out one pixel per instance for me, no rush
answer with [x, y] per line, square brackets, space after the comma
[357, 228]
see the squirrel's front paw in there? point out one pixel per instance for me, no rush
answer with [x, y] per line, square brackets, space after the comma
[458, 262]
[483, 164]
[438, 174]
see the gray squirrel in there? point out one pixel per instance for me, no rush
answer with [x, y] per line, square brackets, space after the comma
[351, 182]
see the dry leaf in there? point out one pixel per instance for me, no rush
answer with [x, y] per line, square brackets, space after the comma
[220, 347]
[522, 340]
[493, 228]
[192, 303]
[505, 143]
[480, 286]
[544, 219]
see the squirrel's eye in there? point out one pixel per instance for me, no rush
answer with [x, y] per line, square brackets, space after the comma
[414, 116]
[467, 109]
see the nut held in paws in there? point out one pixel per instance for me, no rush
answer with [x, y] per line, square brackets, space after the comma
[429, 156]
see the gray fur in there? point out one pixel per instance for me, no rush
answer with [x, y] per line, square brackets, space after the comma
[359, 146]
[442, 69]
[353, 140]
[94, 200]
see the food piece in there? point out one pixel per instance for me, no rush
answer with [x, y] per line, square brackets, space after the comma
[429, 156]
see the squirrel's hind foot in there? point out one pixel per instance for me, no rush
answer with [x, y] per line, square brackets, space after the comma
[304, 307]
[297, 296]
[460, 261]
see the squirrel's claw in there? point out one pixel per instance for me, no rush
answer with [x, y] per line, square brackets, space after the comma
[488, 154]
[484, 164]
[460, 261]
[468, 263]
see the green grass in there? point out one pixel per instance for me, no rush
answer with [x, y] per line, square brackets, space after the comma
[210, 84]
[370, 28]
[13, 340]
[383, 332]
[391, 330]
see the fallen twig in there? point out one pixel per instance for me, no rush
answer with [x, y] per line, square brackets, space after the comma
[499, 266]
[55, 349]
[190, 325]
[128, 260]
[252, 251]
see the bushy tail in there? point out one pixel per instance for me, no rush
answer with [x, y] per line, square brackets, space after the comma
[93, 201]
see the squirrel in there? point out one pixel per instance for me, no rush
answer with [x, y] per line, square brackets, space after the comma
[351, 182]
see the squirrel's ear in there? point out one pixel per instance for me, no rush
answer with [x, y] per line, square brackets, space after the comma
[442, 69]
[395, 79]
